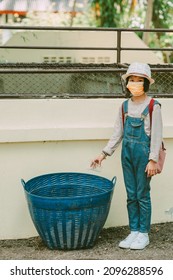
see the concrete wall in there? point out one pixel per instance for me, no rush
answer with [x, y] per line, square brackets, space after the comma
[45, 136]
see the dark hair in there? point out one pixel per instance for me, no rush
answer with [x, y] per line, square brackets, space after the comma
[146, 87]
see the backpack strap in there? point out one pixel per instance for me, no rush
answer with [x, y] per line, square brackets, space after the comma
[124, 110]
[150, 108]
[122, 114]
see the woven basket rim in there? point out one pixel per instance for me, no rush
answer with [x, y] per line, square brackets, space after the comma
[103, 191]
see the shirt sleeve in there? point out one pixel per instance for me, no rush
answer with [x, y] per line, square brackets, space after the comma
[156, 133]
[117, 135]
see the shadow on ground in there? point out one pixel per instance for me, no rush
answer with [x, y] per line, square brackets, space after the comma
[106, 247]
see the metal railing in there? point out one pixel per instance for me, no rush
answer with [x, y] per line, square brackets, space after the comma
[117, 48]
[54, 80]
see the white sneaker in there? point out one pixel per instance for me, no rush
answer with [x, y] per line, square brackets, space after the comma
[140, 242]
[126, 243]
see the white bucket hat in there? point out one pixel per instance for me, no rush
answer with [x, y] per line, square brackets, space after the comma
[139, 69]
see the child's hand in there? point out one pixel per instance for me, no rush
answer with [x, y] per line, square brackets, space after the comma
[97, 161]
[151, 168]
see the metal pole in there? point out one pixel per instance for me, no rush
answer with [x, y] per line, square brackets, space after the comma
[118, 46]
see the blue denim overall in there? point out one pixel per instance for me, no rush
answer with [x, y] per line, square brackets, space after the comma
[135, 154]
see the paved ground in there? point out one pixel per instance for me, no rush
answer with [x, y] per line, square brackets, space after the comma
[106, 247]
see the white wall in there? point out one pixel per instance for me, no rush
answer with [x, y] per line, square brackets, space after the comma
[45, 136]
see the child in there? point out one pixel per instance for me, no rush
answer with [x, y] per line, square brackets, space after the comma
[140, 151]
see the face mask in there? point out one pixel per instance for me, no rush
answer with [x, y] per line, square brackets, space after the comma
[136, 88]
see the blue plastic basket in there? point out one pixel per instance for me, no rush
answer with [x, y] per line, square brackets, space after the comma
[69, 209]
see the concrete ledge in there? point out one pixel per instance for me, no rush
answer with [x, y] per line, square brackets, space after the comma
[12, 135]
[54, 134]
[168, 131]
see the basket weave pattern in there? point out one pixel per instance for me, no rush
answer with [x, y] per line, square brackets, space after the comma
[69, 209]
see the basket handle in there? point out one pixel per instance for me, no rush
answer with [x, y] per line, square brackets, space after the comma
[23, 183]
[114, 179]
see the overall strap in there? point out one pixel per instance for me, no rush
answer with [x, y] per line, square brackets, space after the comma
[149, 109]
